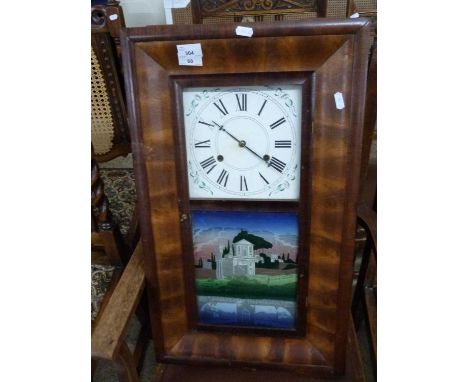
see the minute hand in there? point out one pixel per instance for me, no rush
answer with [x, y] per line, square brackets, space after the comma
[244, 145]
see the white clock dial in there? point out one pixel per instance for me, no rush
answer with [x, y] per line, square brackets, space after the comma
[243, 142]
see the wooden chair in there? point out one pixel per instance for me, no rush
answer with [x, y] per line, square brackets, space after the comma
[256, 10]
[365, 8]
[107, 243]
[113, 259]
[107, 339]
[364, 304]
[109, 125]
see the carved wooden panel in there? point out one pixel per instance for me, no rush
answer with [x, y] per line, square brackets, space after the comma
[333, 56]
[256, 9]
[109, 18]
[234, 6]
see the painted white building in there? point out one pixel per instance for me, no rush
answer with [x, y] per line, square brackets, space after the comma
[273, 257]
[239, 261]
[206, 264]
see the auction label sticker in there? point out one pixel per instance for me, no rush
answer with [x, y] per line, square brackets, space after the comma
[190, 54]
[244, 31]
[339, 101]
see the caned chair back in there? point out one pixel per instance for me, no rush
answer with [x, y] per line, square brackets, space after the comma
[109, 126]
[215, 11]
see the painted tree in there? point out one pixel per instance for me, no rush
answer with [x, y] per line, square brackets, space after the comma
[213, 262]
[257, 241]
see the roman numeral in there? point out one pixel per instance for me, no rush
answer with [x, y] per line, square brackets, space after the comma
[203, 144]
[205, 123]
[261, 109]
[282, 144]
[243, 184]
[261, 176]
[242, 102]
[223, 177]
[277, 164]
[280, 121]
[207, 163]
[221, 107]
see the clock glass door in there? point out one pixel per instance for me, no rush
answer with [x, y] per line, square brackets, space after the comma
[243, 142]
[243, 160]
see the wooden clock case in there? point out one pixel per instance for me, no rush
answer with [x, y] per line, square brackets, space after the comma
[325, 57]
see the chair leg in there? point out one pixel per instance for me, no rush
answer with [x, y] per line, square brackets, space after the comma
[125, 364]
[93, 368]
[142, 343]
[359, 289]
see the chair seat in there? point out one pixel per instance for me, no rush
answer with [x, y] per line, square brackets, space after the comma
[101, 276]
[121, 192]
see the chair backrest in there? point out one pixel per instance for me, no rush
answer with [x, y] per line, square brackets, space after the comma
[109, 125]
[109, 17]
[256, 10]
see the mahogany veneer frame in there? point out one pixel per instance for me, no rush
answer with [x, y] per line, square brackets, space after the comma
[335, 53]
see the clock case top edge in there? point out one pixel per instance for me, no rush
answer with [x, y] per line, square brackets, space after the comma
[312, 27]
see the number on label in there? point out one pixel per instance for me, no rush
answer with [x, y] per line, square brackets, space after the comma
[221, 107]
[243, 183]
[277, 164]
[203, 144]
[261, 109]
[261, 176]
[280, 121]
[223, 177]
[207, 163]
[282, 144]
[242, 102]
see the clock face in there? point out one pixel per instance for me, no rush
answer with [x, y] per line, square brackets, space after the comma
[243, 142]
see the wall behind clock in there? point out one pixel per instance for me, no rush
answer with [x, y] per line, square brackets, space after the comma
[143, 12]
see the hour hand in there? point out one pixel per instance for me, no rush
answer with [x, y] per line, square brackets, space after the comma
[227, 132]
[220, 127]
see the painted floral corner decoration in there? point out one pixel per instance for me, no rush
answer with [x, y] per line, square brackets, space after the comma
[196, 101]
[290, 176]
[197, 180]
[288, 102]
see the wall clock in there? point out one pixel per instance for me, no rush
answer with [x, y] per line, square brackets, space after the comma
[247, 174]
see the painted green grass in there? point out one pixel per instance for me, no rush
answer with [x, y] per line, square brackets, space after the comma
[281, 287]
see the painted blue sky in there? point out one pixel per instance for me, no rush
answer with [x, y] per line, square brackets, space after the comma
[282, 223]
[212, 229]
